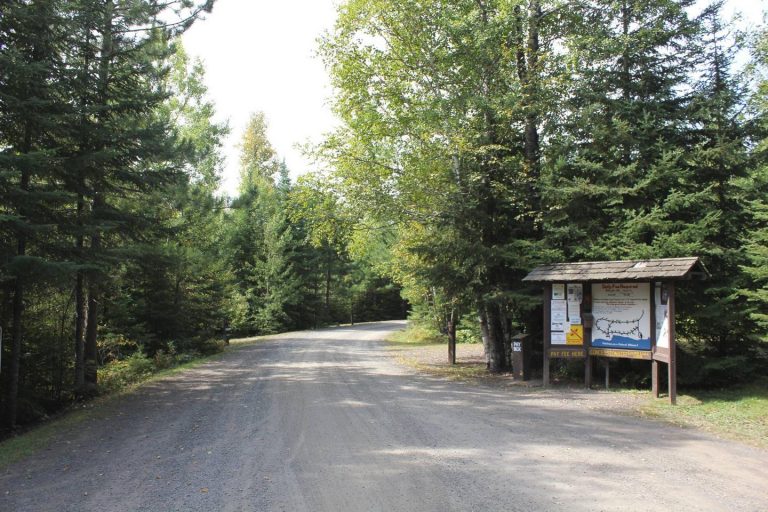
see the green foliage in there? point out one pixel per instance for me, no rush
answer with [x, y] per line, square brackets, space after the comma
[122, 373]
[89, 162]
[468, 331]
[417, 334]
[493, 136]
[755, 189]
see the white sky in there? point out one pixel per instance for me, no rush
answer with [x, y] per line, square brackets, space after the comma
[260, 56]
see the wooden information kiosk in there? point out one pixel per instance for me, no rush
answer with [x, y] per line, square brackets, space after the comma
[623, 309]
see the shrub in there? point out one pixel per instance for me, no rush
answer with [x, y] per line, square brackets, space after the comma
[116, 375]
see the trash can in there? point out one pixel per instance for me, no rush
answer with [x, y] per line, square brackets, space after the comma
[521, 355]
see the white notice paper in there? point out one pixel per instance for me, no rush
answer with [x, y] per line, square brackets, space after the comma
[558, 338]
[574, 312]
[575, 292]
[558, 291]
[558, 321]
[559, 315]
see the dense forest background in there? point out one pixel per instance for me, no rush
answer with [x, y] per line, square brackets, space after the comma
[116, 247]
[478, 139]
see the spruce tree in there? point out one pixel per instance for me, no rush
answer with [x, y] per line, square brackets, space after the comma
[32, 109]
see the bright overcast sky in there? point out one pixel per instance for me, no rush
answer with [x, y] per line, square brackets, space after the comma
[260, 56]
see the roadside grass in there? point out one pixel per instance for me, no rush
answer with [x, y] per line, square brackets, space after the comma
[459, 372]
[739, 413]
[117, 381]
[415, 336]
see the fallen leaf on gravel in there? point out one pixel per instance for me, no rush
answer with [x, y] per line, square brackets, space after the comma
[204, 489]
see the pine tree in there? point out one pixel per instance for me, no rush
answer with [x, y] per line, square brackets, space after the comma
[31, 113]
[616, 152]
[120, 147]
[708, 210]
[755, 188]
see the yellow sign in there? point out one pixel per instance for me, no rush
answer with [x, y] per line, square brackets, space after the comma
[575, 335]
[629, 354]
[566, 353]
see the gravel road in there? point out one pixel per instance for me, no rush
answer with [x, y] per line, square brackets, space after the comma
[328, 421]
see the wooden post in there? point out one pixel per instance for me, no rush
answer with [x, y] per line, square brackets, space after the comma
[655, 378]
[587, 369]
[547, 331]
[672, 365]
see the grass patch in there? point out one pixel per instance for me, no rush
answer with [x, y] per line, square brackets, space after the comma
[416, 336]
[465, 372]
[115, 380]
[417, 343]
[739, 413]
[18, 447]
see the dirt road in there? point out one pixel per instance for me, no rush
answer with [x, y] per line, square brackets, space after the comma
[327, 421]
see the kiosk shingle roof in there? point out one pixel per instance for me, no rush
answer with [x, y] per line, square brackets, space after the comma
[627, 270]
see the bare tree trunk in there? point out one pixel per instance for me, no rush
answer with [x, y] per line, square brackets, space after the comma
[80, 311]
[91, 329]
[16, 334]
[452, 319]
[497, 353]
[329, 262]
[90, 363]
[18, 300]
[486, 338]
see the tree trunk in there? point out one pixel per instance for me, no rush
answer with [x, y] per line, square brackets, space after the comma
[16, 335]
[92, 323]
[90, 363]
[91, 328]
[486, 338]
[498, 360]
[452, 337]
[80, 312]
[18, 298]
[329, 262]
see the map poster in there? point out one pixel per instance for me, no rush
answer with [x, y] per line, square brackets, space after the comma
[622, 316]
